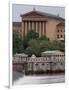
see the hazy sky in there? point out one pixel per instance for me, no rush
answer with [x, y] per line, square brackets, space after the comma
[18, 9]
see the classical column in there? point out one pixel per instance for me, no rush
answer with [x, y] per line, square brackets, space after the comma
[36, 26]
[40, 28]
[23, 30]
[29, 25]
[32, 25]
[43, 28]
[25, 27]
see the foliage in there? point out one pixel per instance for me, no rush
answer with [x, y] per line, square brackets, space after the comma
[38, 46]
[43, 38]
[33, 44]
[32, 35]
[17, 44]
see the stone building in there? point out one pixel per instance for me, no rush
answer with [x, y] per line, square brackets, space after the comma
[43, 23]
[50, 61]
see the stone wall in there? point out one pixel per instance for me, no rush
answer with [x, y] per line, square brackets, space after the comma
[40, 63]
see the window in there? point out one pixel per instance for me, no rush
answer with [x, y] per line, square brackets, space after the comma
[61, 63]
[56, 55]
[48, 39]
[57, 36]
[36, 64]
[42, 63]
[55, 63]
[61, 36]
[60, 55]
[57, 30]
[61, 30]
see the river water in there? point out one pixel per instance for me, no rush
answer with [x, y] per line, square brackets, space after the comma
[20, 79]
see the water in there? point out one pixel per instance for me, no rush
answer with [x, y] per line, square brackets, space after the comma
[20, 79]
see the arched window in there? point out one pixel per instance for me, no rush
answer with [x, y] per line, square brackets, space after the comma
[43, 64]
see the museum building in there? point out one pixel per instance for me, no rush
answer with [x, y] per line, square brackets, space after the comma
[52, 26]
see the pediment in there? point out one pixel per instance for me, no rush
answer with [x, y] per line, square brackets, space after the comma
[33, 14]
[36, 14]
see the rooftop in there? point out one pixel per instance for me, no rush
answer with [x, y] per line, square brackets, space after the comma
[21, 55]
[42, 14]
[61, 24]
[54, 52]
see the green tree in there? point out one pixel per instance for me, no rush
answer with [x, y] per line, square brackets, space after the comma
[38, 46]
[32, 35]
[33, 44]
[57, 45]
[33, 48]
[17, 43]
[43, 37]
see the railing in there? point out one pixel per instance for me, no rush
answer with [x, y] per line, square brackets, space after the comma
[37, 59]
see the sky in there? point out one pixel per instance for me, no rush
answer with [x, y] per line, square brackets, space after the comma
[18, 9]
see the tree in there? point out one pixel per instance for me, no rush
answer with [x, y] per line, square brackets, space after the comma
[17, 43]
[29, 51]
[32, 35]
[33, 44]
[43, 37]
[57, 45]
[38, 46]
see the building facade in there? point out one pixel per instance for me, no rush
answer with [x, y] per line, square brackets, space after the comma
[46, 24]
[50, 61]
